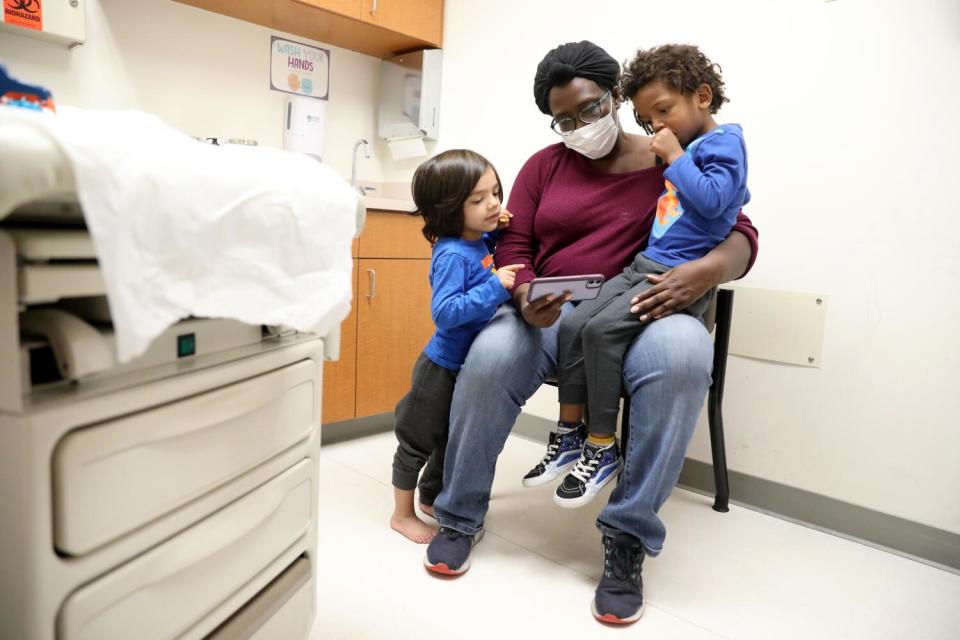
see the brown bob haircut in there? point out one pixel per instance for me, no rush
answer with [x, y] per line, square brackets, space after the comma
[440, 187]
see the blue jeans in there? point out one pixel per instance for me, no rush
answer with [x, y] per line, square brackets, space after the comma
[666, 371]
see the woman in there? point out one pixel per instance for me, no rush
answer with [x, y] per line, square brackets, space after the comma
[583, 206]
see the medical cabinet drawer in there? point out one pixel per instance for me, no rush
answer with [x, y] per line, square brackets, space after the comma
[167, 591]
[111, 478]
[42, 283]
[283, 610]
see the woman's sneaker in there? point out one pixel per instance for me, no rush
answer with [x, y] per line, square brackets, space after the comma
[563, 451]
[598, 465]
[449, 551]
[619, 596]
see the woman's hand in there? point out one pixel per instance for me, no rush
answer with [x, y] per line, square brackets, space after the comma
[542, 312]
[678, 288]
[675, 290]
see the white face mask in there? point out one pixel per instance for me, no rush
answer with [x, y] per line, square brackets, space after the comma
[596, 139]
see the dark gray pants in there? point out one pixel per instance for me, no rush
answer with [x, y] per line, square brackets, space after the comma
[423, 420]
[594, 338]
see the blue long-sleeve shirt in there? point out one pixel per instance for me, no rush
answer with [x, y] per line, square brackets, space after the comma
[466, 293]
[705, 189]
[490, 239]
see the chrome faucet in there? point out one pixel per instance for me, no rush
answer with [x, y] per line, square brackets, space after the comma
[353, 170]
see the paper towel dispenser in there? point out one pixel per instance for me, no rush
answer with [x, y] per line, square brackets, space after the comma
[410, 95]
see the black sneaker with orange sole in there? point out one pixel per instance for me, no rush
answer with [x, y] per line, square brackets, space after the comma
[619, 596]
[449, 552]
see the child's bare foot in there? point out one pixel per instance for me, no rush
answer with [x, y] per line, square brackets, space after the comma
[427, 509]
[413, 528]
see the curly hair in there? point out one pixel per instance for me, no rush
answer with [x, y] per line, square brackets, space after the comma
[681, 66]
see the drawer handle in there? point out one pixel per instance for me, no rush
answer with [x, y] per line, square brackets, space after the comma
[373, 284]
[373, 9]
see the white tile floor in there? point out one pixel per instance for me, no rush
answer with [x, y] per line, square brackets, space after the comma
[736, 575]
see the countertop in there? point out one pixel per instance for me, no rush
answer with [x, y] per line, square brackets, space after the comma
[389, 196]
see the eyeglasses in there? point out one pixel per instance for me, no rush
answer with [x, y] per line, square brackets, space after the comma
[646, 126]
[588, 115]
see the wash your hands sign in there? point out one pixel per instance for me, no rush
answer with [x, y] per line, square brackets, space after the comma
[299, 69]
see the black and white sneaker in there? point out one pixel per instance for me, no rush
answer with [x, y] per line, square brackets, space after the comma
[563, 451]
[449, 551]
[597, 466]
[619, 596]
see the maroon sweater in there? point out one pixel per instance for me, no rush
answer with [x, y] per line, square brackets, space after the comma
[570, 219]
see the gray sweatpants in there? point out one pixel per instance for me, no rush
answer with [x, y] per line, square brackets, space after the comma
[422, 424]
[594, 338]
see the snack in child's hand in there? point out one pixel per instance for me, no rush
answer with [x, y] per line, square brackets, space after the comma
[504, 220]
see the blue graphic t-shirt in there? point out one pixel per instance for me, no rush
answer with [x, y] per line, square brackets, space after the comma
[704, 190]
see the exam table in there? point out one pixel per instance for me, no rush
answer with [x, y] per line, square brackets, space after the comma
[172, 496]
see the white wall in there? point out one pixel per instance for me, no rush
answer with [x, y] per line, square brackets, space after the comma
[849, 108]
[203, 73]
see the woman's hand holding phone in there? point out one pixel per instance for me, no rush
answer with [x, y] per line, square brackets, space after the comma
[542, 312]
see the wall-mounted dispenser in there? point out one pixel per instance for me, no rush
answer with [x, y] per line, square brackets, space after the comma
[410, 101]
[303, 125]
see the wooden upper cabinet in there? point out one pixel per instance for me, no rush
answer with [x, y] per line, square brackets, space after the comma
[392, 27]
[419, 18]
[349, 8]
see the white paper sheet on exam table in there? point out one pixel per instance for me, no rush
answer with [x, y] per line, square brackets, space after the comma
[182, 228]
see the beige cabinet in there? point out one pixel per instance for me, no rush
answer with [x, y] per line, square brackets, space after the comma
[389, 322]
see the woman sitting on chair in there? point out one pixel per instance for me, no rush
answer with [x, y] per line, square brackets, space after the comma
[582, 206]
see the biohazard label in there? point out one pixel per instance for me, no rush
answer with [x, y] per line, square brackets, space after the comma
[24, 13]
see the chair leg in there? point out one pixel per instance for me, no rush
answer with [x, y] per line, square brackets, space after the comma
[715, 400]
[718, 447]
[624, 429]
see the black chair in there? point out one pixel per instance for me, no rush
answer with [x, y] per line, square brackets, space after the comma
[717, 317]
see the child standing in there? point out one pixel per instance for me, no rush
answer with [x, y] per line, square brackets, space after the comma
[675, 90]
[459, 195]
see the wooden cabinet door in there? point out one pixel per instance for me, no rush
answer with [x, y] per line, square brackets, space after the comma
[393, 327]
[421, 19]
[393, 235]
[349, 8]
[340, 377]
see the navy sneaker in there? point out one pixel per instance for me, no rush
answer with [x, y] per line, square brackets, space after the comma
[597, 466]
[563, 451]
[449, 551]
[619, 596]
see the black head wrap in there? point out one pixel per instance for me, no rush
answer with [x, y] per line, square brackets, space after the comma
[573, 60]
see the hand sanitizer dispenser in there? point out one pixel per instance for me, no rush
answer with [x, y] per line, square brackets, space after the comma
[410, 101]
[303, 125]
